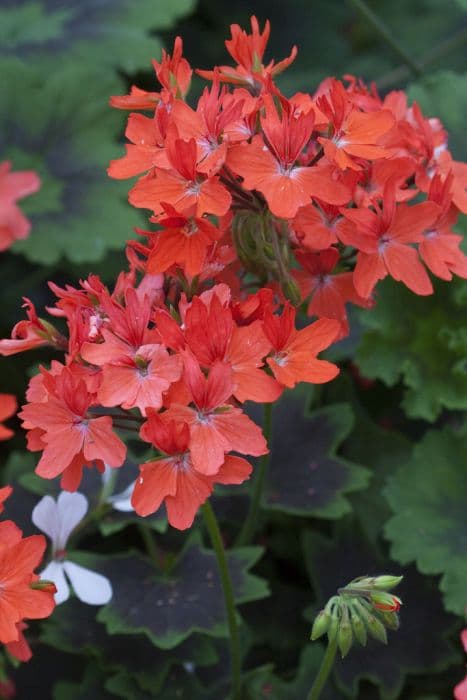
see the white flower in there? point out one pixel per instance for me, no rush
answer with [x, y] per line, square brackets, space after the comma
[122, 501]
[58, 520]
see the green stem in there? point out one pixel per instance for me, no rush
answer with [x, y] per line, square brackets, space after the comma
[433, 55]
[385, 33]
[147, 535]
[324, 671]
[218, 546]
[251, 521]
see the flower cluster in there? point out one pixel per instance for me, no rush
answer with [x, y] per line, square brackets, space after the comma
[363, 607]
[22, 594]
[183, 373]
[311, 195]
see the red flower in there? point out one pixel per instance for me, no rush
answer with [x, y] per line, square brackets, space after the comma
[182, 186]
[30, 334]
[269, 166]
[248, 50]
[383, 237]
[184, 241]
[294, 352]
[355, 134]
[71, 436]
[18, 600]
[216, 427]
[5, 492]
[173, 479]
[8, 408]
[13, 186]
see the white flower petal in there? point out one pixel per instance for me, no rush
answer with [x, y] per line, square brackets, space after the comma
[45, 517]
[90, 587]
[122, 501]
[72, 507]
[54, 572]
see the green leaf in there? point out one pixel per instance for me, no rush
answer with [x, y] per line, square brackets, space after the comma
[305, 476]
[68, 138]
[169, 609]
[73, 628]
[414, 648]
[429, 525]
[419, 340]
[443, 94]
[97, 33]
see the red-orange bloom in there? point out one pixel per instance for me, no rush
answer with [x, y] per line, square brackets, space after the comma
[147, 148]
[174, 72]
[172, 479]
[13, 186]
[5, 492]
[212, 336]
[216, 427]
[8, 408]
[269, 165]
[30, 334]
[294, 352]
[72, 437]
[18, 559]
[329, 292]
[355, 134]
[184, 241]
[383, 237]
[182, 186]
[248, 51]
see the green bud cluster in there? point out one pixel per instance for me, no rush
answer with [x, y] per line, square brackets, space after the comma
[263, 248]
[362, 608]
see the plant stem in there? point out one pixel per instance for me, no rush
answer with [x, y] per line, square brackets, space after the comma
[433, 55]
[147, 535]
[324, 671]
[249, 525]
[218, 546]
[385, 33]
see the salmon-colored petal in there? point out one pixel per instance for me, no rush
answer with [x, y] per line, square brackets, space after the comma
[405, 266]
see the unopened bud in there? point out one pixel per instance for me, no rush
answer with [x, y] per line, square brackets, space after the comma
[386, 582]
[291, 291]
[320, 625]
[389, 619]
[358, 627]
[344, 636]
[385, 601]
[376, 629]
[43, 585]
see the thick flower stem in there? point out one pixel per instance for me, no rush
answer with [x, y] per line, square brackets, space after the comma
[218, 546]
[385, 33]
[324, 671]
[251, 521]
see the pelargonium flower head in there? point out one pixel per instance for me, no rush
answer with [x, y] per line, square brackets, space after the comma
[58, 519]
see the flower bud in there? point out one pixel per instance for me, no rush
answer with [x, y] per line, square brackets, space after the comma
[386, 583]
[344, 636]
[390, 619]
[320, 625]
[43, 585]
[376, 628]
[358, 627]
[385, 601]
